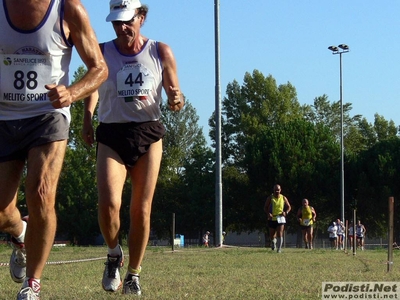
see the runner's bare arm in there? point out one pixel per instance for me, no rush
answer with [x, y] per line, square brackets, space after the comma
[170, 78]
[287, 205]
[78, 30]
[90, 103]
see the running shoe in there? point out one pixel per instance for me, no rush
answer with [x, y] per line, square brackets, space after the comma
[111, 277]
[273, 244]
[18, 261]
[131, 285]
[31, 292]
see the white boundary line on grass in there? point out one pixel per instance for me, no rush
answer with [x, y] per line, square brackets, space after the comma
[63, 262]
[99, 258]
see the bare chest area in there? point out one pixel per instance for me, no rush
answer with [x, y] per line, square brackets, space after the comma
[28, 14]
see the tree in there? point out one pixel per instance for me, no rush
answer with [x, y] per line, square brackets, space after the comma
[198, 215]
[77, 192]
[184, 180]
[329, 114]
[268, 141]
[247, 110]
[298, 155]
[373, 178]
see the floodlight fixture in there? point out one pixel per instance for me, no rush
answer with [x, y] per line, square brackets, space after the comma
[333, 48]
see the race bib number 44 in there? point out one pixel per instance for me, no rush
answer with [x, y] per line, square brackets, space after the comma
[23, 78]
[134, 81]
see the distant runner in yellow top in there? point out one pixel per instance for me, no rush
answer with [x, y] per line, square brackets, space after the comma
[276, 207]
[306, 215]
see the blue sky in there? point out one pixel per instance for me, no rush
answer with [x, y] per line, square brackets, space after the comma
[288, 39]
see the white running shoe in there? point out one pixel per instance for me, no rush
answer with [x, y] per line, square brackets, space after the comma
[27, 294]
[111, 277]
[131, 285]
[18, 261]
[31, 292]
[273, 244]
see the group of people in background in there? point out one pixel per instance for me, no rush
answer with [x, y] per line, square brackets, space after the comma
[337, 235]
[360, 235]
[206, 239]
[277, 208]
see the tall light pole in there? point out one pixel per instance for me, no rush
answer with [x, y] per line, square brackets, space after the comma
[342, 48]
[218, 130]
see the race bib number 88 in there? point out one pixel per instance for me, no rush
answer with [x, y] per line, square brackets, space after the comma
[23, 78]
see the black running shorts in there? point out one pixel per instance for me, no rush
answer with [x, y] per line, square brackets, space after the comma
[274, 224]
[130, 140]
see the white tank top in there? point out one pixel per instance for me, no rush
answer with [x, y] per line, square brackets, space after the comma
[351, 229]
[332, 231]
[29, 60]
[132, 91]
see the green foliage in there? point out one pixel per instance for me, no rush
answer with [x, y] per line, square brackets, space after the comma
[296, 154]
[77, 191]
[185, 185]
[240, 205]
[249, 109]
[197, 211]
[329, 114]
[373, 178]
[77, 198]
[268, 138]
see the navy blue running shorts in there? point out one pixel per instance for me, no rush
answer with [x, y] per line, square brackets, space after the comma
[17, 137]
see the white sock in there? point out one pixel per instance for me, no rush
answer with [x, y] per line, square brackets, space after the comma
[114, 252]
[26, 281]
[21, 237]
[279, 242]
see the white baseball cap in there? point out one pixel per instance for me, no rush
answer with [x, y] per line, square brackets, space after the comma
[122, 10]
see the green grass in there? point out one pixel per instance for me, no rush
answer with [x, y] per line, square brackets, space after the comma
[214, 273]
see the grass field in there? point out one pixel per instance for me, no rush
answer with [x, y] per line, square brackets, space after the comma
[213, 273]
